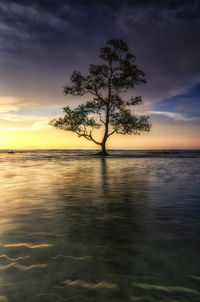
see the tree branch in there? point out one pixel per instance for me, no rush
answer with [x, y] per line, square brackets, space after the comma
[111, 133]
[101, 118]
[94, 140]
[87, 136]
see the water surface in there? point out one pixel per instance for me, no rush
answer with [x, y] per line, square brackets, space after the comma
[76, 227]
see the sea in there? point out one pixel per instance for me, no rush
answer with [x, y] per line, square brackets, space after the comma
[78, 227]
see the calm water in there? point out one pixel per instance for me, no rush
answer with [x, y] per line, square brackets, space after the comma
[74, 227]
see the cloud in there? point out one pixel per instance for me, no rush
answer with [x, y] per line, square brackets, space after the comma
[187, 102]
[15, 122]
[63, 22]
[12, 104]
[192, 92]
[8, 104]
[172, 115]
[43, 41]
[18, 115]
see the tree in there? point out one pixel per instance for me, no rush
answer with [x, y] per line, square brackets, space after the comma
[106, 109]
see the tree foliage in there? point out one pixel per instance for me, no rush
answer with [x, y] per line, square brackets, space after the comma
[105, 83]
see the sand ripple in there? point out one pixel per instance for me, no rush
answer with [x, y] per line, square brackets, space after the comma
[13, 259]
[28, 245]
[168, 289]
[102, 284]
[21, 267]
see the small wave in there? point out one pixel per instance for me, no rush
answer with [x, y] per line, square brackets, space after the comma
[21, 267]
[28, 245]
[169, 289]
[72, 257]
[101, 284]
[13, 259]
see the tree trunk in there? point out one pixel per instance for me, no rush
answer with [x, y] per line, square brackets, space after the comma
[103, 146]
[105, 137]
[103, 151]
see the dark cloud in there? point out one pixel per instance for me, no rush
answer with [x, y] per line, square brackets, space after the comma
[60, 23]
[192, 94]
[187, 102]
[41, 42]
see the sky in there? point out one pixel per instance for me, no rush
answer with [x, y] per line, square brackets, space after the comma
[43, 41]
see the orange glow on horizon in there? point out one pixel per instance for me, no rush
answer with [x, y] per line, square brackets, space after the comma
[160, 137]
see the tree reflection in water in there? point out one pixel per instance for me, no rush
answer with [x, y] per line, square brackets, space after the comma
[106, 223]
[98, 229]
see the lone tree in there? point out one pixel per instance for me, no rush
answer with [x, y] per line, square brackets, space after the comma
[106, 108]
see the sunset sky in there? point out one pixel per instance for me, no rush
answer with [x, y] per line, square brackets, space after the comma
[43, 41]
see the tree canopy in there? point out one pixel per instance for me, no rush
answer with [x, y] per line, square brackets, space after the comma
[107, 109]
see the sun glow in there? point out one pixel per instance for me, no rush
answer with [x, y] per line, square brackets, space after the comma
[160, 137]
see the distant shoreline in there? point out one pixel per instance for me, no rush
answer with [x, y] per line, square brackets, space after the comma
[96, 150]
[80, 153]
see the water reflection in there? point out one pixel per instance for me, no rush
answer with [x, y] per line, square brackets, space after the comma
[104, 226]
[99, 229]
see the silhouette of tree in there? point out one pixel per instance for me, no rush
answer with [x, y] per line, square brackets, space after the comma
[106, 109]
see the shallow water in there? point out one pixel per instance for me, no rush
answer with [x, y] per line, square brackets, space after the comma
[74, 227]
